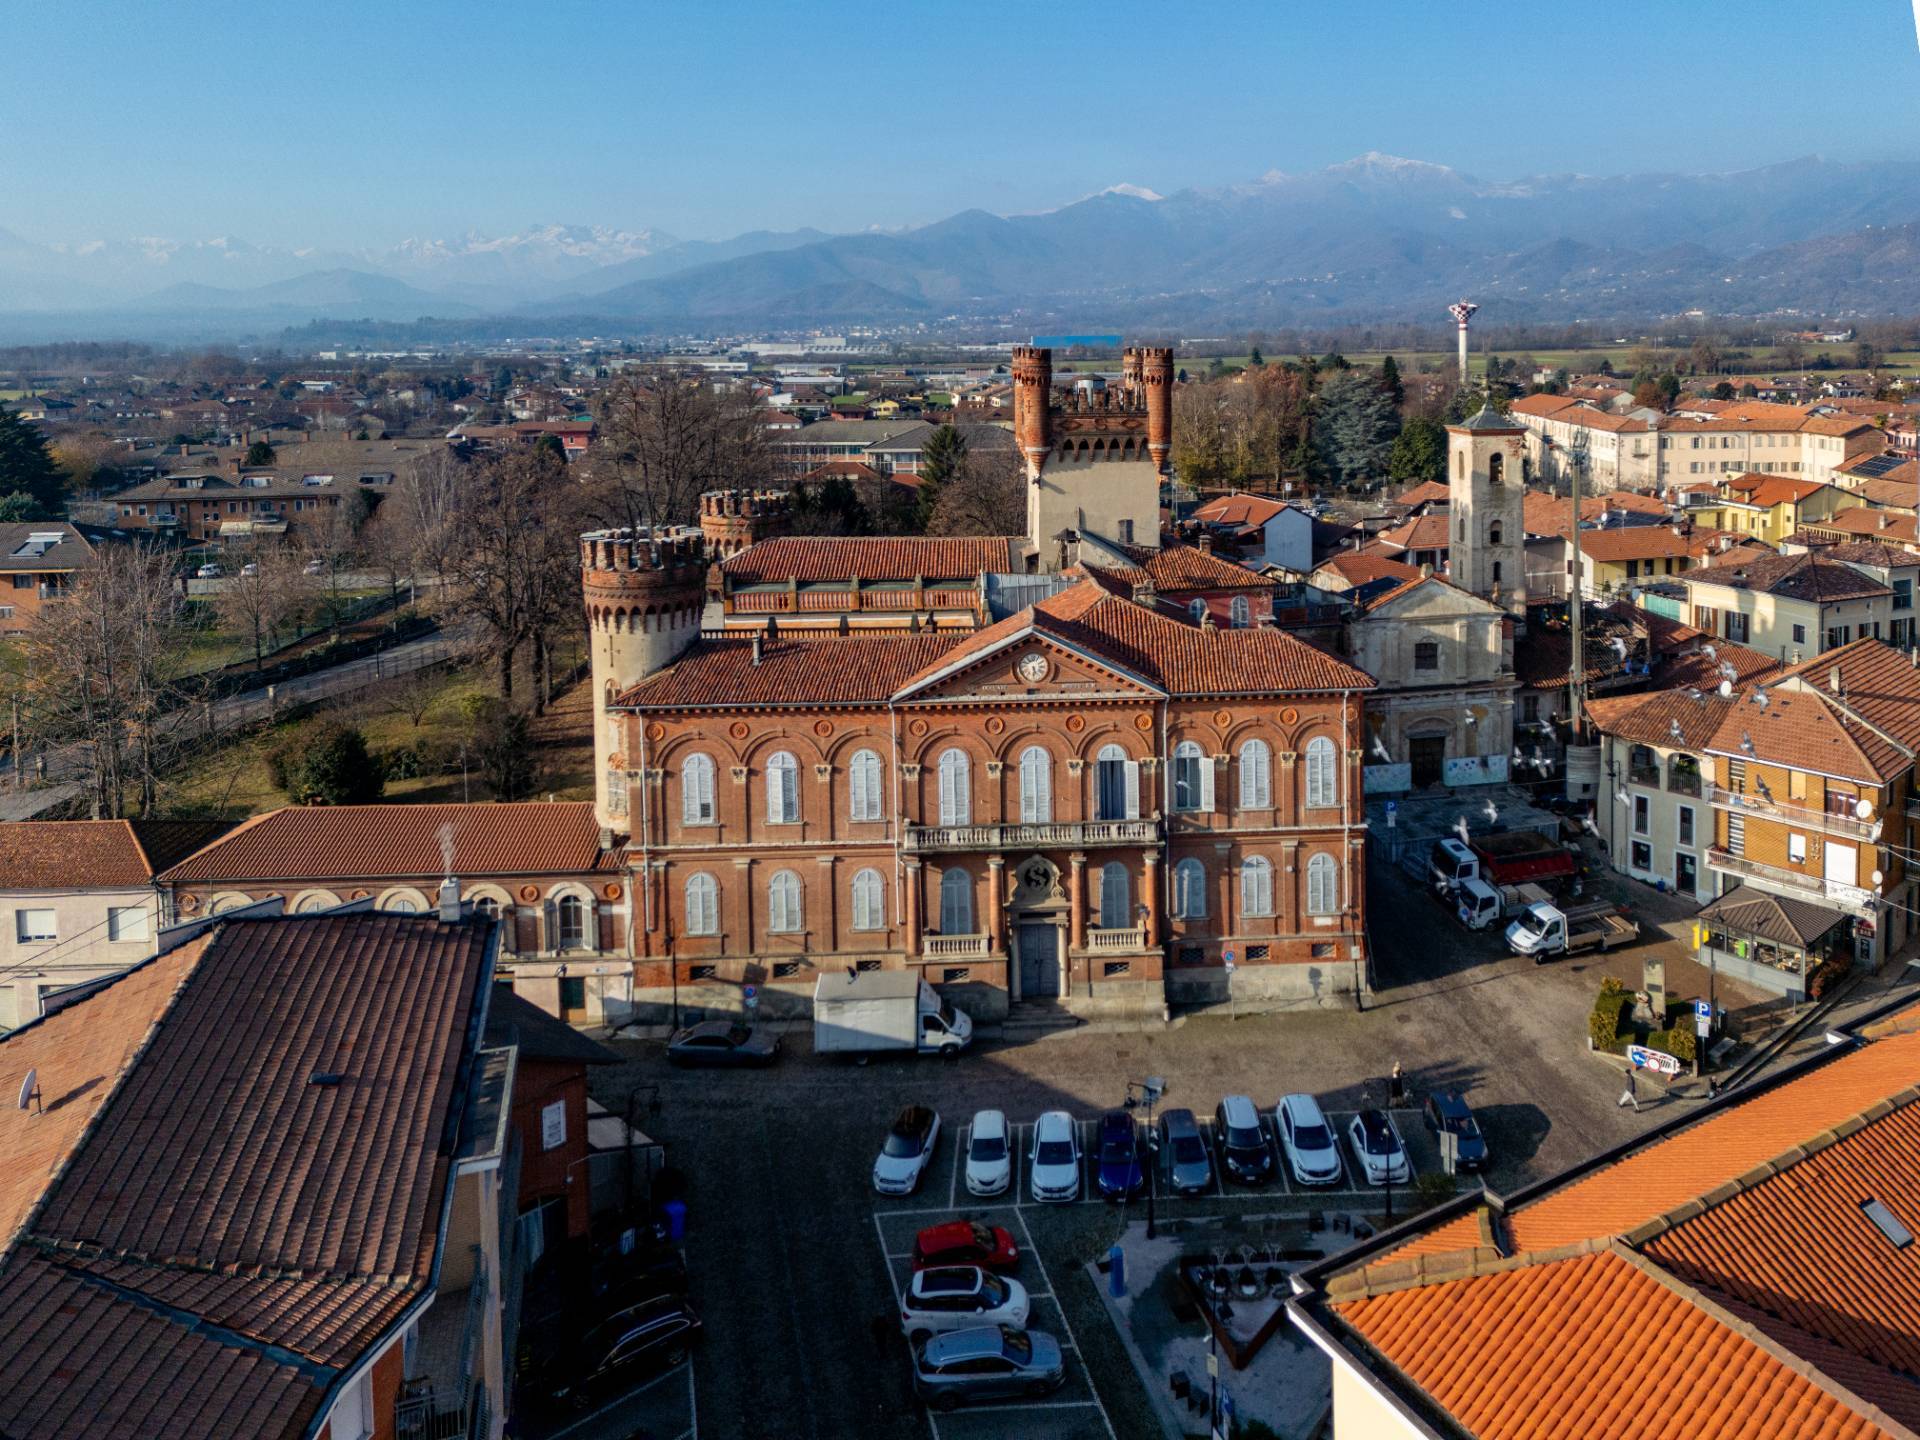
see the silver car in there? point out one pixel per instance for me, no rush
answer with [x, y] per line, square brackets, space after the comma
[1183, 1154]
[990, 1362]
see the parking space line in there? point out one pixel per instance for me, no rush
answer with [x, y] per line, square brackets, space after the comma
[881, 1234]
[637, 1390]
[693, 1408]
[1067, 1325]
[953, 1182]
[1019, 1159]
[1041, 1405]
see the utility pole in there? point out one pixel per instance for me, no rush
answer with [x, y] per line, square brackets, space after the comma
[1576, 610]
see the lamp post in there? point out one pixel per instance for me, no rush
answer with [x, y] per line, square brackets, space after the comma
[1148, 1092]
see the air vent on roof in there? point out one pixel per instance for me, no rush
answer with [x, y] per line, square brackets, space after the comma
[1887, 1223]
[329, 1079]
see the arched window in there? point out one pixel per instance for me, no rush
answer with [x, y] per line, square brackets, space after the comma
[1256, 772]
[783, 789]
[488, 906]
[696, 790]
[956, 788]
[1036, 786]
[1496, 572]
[1323, 890]
[1116, 897]
[1493, 533]
[1116, 785]
[1197, 609]
[783, 903]
[1192, 777]
[312, 904]
[401, 905]
[956, 902]
[1496, 465]
[1459, 465]
[703, 905]
[1323, 774]
[570, 923]
[1190, 890]
[863, 786]
[869, 901]
[1256, 886]
[1241, 612]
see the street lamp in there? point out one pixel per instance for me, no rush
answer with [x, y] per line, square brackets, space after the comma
[1148, 1092]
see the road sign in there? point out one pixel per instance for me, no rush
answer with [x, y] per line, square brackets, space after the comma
[1229, 959]
[1657, 1061]
[1702, 1018]
[753, 992]
[1393, 807]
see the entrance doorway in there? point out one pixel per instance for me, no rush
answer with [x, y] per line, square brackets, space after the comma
[1039, 962]
[573, 999]
[1686, 874]
[1428, 755]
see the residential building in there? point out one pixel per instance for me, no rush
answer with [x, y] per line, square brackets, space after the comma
[1265, 531]
[40, 561]
[1617, 561]
[212, 508]
[78, 900]
[547, 871]
[1742, 1272]
[1767, 508]
[260, 1185]
[1789, 606]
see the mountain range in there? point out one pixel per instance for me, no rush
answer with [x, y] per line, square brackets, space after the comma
[1375, 238]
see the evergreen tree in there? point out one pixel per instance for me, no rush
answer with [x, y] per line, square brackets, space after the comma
[16, 507]
[334, 767]
[941, 457]
[1419, 452]
[1391, 383]
[259, 453]
[1256, 360]
[1334, 360]
[27, 466]
[1723, 391]
[1354, 426]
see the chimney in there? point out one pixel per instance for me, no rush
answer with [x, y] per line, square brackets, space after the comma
[756, 647]
[1834, 683]
[449, 900]
[1206, 542]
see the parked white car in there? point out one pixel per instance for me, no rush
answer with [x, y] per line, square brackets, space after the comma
[909, 1147]
[1376, 1145]
[989, 1158]
[959, 1297]
[1053, 1160]
[1307, 1140]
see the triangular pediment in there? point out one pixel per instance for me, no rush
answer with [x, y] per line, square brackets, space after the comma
[1432, 597]
[1032, 665]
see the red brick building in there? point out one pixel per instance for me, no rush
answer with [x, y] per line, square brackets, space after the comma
[1089, 803]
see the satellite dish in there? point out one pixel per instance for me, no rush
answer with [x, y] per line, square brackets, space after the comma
[1726, 689]
[1877, 878]
[1863, 809]
[30, 1088]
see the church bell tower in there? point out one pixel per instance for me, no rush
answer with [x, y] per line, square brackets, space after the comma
[1485, 482]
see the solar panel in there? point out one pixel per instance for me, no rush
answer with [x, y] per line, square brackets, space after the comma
[1876, 466]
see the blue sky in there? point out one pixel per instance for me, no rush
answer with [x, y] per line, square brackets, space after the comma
[350, 124]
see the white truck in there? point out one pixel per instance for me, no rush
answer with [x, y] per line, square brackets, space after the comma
[1478, 904]
[1546, 931]
[875, 1011]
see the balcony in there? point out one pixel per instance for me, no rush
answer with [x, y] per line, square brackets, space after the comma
[1851, 898]
[923, 838]
[1131, 938]
[1788, 813]
[443, 1399]
[953, 947]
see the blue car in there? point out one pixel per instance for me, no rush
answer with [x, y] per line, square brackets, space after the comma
[1121, 1173]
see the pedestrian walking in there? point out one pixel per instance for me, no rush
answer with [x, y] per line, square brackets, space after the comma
[1630, 1095]
[1397, 1084]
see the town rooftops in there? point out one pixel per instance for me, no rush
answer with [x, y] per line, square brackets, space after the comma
[1427, 492]
[350, 842]
[1769, 490]
[1791, 577]
[1169, 654]
[38, 546]
[1243, 511]
[200, 1238]
[97, 854]
[1646, 542]
[1358, 569]
[1736, 1257]
[811, 560]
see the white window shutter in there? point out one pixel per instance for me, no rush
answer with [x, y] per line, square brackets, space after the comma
[1206, 783]
[1133, 789]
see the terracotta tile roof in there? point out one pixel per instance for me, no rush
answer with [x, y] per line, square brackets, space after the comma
[1427, 492]
[1645, 542]
[1649, 719]
[1877, 682]
[1681, 656]
[1567, 1348]
[351, 842]
[1792, 577]
[1178, 568]
[112, 854]
[825, 670]
[1542, 406]
[1803, 730]
[1242, 509]
[869, 557]
[1877, 554]
[1894, 490]
[1553, 514]
[1428, 532]
[1866, 521]
[1361, 569]
[1179, 657]
[1768, 490]
[221, 1212]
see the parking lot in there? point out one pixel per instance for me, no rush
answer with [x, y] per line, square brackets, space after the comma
[794, 1260]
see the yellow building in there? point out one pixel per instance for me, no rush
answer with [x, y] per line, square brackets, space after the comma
[1768, 508]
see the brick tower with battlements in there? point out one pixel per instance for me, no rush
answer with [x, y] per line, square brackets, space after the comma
[731, 520]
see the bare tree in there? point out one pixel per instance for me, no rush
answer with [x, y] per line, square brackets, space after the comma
[664, 439]
[419, 529]
[985, 496]
[265, 592]
[95, 667]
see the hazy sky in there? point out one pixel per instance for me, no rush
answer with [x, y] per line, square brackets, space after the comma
[348, 124]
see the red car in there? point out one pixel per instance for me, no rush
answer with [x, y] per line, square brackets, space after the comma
[966, 1242]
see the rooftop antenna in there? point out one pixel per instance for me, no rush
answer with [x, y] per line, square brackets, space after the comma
[30, 1091]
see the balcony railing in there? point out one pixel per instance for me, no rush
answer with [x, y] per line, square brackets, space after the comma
[953, 947]
[1133, 938]
[1035, 836]
[1788, 813]
[1850, 897]
[444, 1402]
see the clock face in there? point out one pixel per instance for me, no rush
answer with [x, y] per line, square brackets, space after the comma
[1033, 668]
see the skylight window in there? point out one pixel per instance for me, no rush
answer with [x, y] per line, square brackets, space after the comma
[1888, 1224]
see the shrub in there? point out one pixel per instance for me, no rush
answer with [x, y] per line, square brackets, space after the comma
[334, 767]
[1678, 1042]
[1603, 1025]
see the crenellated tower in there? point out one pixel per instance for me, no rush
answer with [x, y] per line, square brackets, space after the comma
[644, 592]
[1033, 405]
[731, 520]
